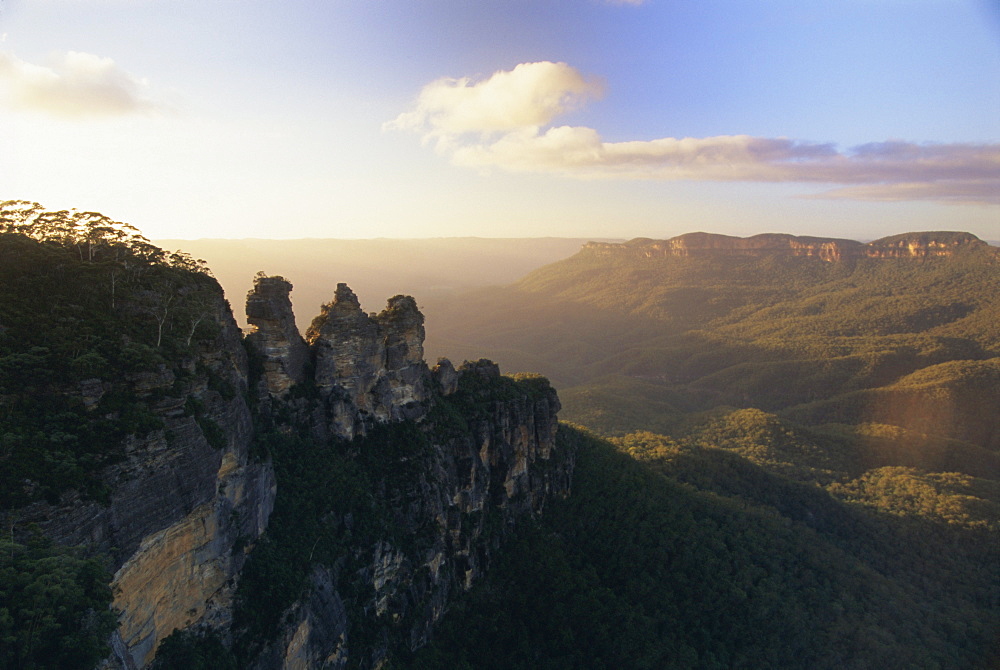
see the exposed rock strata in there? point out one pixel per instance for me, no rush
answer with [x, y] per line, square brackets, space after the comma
[269, 313]
[497, 467]
[370, 366]
[473, 488]
[909, 245]
[178, 505]
[922, 245]
[188, 501]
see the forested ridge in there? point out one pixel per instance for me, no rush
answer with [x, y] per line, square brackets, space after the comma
[679, 556]
[87, 305]
[824, 432]
[786, 463]
[886, 349]
[88, 309]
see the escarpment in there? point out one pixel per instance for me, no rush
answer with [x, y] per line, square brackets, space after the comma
[908, 245]
[453, 460]
[303, 502]
[185, 501]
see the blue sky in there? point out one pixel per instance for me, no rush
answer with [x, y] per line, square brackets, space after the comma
[347, 118]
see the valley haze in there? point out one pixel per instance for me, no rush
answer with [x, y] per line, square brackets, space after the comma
[664, 450]
[798, 467]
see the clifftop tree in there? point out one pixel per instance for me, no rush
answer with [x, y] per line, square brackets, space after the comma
[86, 304]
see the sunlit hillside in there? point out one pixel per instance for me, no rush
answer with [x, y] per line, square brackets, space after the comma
[637, 340]
[802, 469]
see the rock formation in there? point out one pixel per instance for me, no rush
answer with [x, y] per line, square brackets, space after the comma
[372, 366]
[472, 489]
[477, 480]
[909, 245]
[269, 313]
[922, 245]
[191, 492]
[182, 511]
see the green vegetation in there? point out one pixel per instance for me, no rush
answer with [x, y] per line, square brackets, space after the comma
[326, 506]
[804, 468]
[814, 469]
[337, 501]
[634, 342]
[695, 558]
[88, 308]
[187, 650]
[90, 314]
[54, 607]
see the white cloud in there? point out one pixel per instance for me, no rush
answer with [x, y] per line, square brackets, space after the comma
[531, 94]
[74, 85]
[499, 124]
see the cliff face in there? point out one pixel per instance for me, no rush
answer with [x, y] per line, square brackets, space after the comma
[923, 245]
[448, 461]
[183, 501]
[463, 496]
[909, 245]
[487, 462]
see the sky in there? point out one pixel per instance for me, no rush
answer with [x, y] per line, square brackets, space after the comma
[513, 118]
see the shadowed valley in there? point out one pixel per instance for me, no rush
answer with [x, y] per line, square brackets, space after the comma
[786, 457]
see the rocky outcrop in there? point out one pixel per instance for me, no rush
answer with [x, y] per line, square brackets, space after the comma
[490, 463]
[909, 245]
[274, 334]
[189, 501]
[315, 632]
[462, 498]
[186, 502]
[370, 368]
[445, 376]
[923, 245]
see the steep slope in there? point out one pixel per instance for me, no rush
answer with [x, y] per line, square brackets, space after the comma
[147, 445]
[773, 321]
[824, 491]
[693, 558]
[399, 483]
[403, 503]
[126, 428]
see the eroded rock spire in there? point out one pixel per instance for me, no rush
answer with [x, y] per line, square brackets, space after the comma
[275, 337]
[366, 366]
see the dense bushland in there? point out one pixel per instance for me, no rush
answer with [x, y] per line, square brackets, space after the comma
[693, 557]
[87, 307]
[636, 343]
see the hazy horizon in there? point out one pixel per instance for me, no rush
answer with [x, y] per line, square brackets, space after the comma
[375, 269]
[166, 241]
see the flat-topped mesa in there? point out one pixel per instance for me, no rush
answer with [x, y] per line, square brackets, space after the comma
[275, 337]
[375, 361]
[711, 244]
[922, 245]
[908, 245]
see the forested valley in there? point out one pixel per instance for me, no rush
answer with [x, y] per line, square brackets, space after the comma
[781, 461]
[785, 462]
